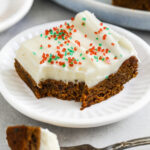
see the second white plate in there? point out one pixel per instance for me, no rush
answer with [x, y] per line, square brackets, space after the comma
[135, 95]
[136, 19]
[13, 11]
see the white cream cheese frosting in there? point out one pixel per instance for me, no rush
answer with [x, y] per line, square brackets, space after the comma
[83, 49]
[48, 140]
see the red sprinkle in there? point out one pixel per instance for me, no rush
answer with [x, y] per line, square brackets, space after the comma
[91, 44]
[64, 49]
[72, 19]
[104, 37]
[113, 44]
[54, 28]
[75, 49]
[75, 62]
[46, 32]
[85, 35]
[58, 47]
[101, 24]
[100, 58]
[61, 45]
[52, 62]
[53, 56]
[49, 45]
[99, 49]
[74, 30]
[77, 42]
[107, 58]
[115, 57]
[107, 50]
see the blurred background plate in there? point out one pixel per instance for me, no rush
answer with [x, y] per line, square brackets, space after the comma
[12, 11]
[103, 9]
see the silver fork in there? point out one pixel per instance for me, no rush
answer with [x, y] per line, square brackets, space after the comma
[118, 146]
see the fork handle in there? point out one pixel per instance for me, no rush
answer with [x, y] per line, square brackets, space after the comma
[129, 144]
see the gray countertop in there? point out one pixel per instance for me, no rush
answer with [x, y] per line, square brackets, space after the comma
[137, 125]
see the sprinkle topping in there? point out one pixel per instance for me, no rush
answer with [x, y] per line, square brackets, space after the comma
[65, 51]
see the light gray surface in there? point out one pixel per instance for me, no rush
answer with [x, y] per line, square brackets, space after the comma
[138, 125]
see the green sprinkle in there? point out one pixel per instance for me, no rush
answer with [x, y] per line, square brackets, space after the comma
[103, 59]
[109, 33]
[41, 47]
[71, 47]
[66, 59]
[56, 39]
[67, 44]
[34, 53]
[121, 55]
[65, 53]
[100, 44]
[46, 36]
[95, 57]
[77, 59]
[107, 28]
[63, 38]
[71, 51]
[56, 57]
[41, 35]
[50, 58]
[109, 51]
[84, 19]
[63, 65]
[59, 42]
[51, 31]
[97, 38]
[83, 58]
[80, 54]
[106, 77]
[70, 38]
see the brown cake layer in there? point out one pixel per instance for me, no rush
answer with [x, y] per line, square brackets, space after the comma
[23, 137]
[112, 85]
[79, 91]
[134, 4]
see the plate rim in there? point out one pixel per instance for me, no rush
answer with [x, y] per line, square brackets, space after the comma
[15, 18]
[73, 124]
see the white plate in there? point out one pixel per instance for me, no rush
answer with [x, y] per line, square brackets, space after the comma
[12, 11]
[136, 19]
[135, 95]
